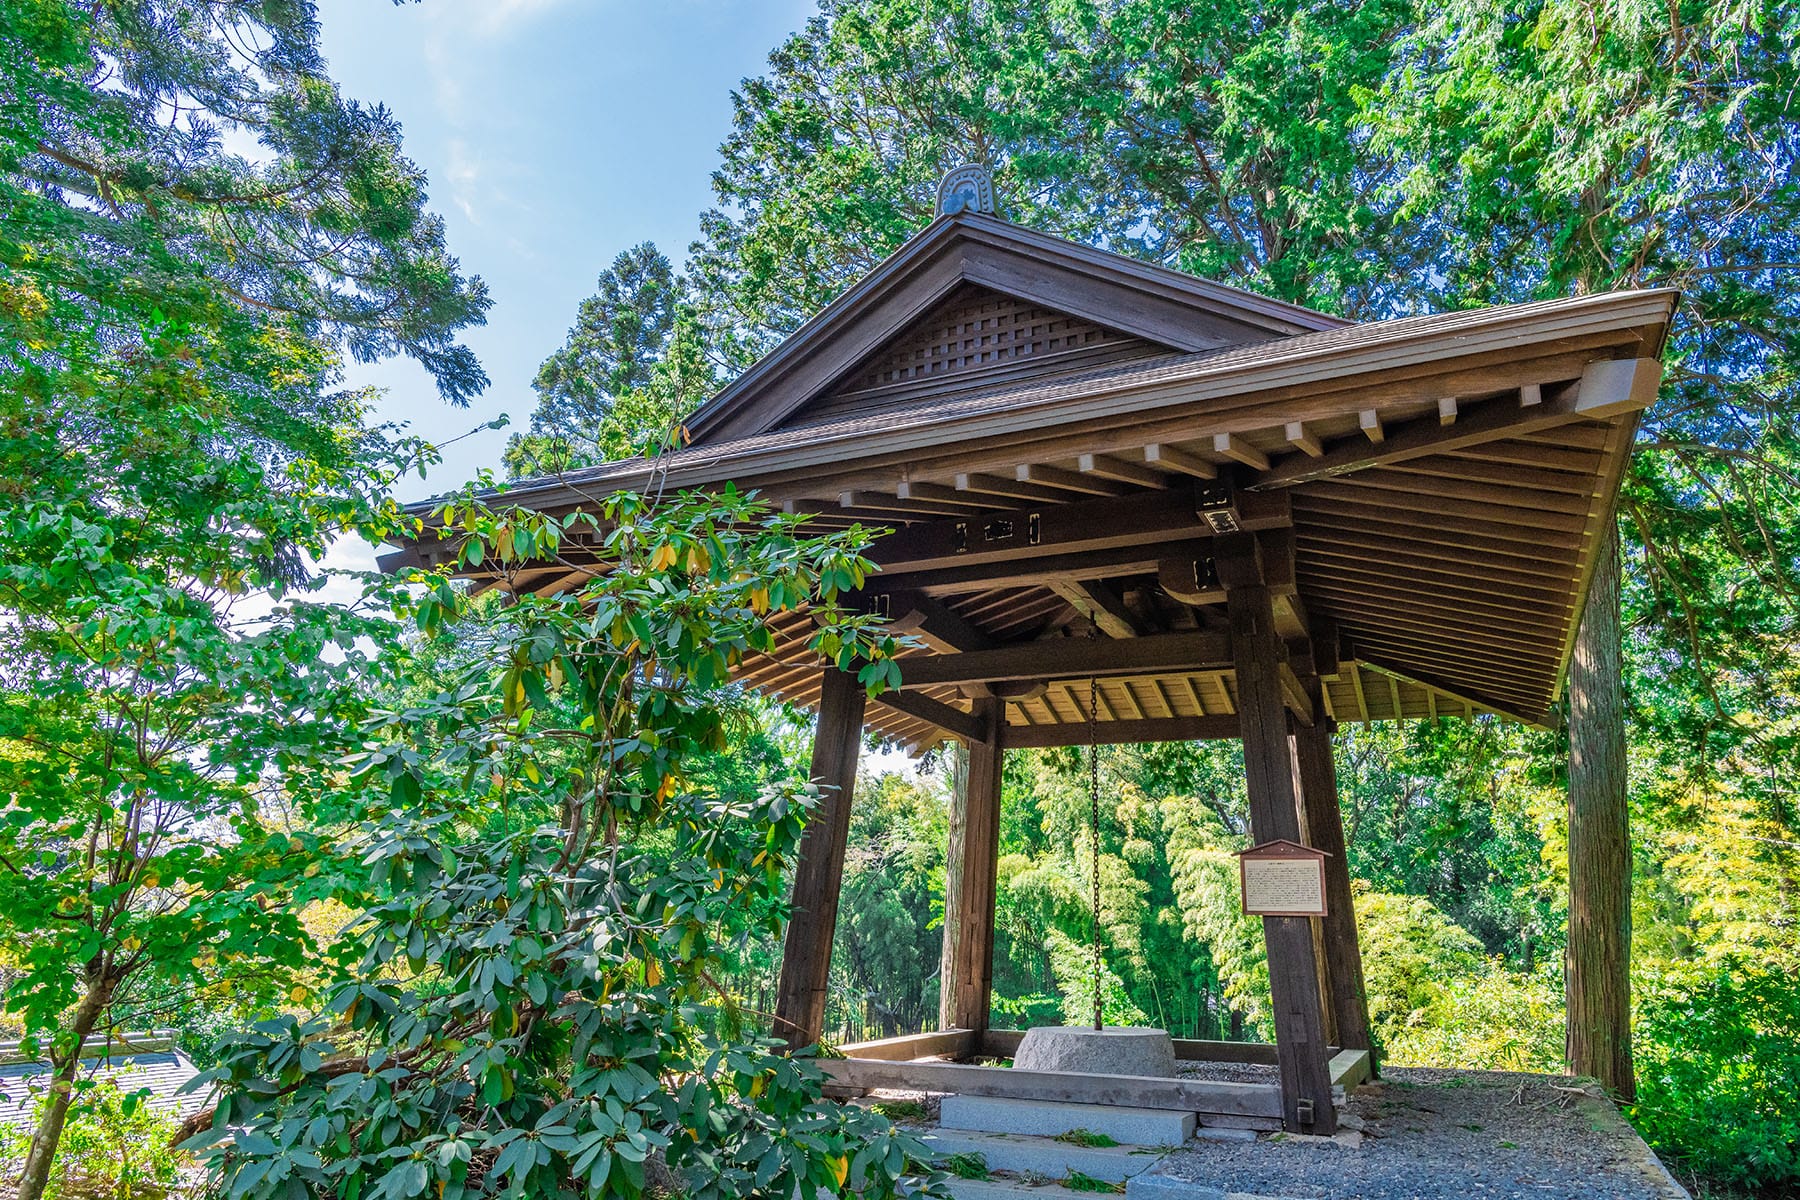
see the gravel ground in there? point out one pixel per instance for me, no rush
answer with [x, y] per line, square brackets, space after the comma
[1225, 1072]
[1442, 1135]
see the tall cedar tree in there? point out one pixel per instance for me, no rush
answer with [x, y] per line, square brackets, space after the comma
[620, 336]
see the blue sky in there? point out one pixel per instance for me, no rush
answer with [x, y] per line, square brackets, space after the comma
[556, 133]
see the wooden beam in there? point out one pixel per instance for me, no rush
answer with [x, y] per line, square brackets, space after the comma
[934, 623]
[819, 873]
[1070, 658]
[1174, 459]
[1011, 489]
[1446, 410]
[1041, 530]
[1300, 439]
[948, 499]
[952, 720]
[1107, 467]
[1124, 733]
[1191, 579]
[1099, 603]
[1605, 389]
[945, 1043]
[1369, 421]
[1004, 1043]
[1029, 571]
[1071, 481]
[970, 953]
[1126, 1091]
[864, 501]
[1269, 779]
[1233, 446]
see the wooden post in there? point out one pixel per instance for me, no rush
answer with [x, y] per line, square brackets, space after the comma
[1258, 654]
[955, 854]
[1317, 774]
[819, 875]
[968, 961]
[1327, 1005]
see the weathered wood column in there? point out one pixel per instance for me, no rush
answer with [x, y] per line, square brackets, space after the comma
[1258, 654]
[819, 875]
[1316, 771]
[970, 879]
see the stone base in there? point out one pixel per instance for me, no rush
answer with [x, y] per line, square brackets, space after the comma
[1045, 1118]
[1123, 1050]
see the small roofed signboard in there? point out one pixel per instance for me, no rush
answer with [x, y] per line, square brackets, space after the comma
[1282, 879]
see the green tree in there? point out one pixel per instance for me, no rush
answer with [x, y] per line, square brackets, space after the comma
[548, 897]
[1220, 139]
[171, 321]
[635, 361]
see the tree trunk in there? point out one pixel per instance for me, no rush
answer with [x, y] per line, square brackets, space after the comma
[1598, 966]
[953, 874]
[64, 1068]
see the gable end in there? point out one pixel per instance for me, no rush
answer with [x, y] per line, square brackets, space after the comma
[976, 338]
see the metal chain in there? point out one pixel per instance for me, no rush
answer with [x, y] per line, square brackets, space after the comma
[1094, 832]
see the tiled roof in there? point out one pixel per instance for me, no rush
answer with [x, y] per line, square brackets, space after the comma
[1391, 338]
[161, 1071]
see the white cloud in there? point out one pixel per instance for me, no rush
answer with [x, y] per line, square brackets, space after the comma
[494, 16]
[463, 174]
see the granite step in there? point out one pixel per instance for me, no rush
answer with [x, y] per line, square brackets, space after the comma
[1048, 1118]
[1012, 1188]
[1044, 1156]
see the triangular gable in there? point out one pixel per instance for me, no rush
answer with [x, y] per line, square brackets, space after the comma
[975, 337]
[1159, 308]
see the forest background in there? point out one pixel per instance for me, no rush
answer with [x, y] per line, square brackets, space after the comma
[1372, 161]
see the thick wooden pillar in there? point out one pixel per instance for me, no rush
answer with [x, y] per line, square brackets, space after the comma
[1257, 654]
[1316, 772]
[819, 875]
[970, 879]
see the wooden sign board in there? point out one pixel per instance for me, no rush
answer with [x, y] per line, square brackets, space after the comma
[1282, 879]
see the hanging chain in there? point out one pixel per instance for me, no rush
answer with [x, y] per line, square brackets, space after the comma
[1094, 832]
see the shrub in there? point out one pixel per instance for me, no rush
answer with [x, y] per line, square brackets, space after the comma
[1718, 1070]
[113, 1147]
[1491, 1020]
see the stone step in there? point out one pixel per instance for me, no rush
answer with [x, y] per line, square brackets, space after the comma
[1045, 1156]
[1047, 1118]
[1013, 1188]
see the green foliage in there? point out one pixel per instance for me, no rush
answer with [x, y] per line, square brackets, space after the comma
[1076, 1181]
[114, 1148]
[887, 944]
[1072, 965]
[634, 363]
[1718, 1065]
[970, 1164]
[117, 193]
[1223, 140]
[1085, 1137]
[900, 1110]
[526, 1001]
[178, 448]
